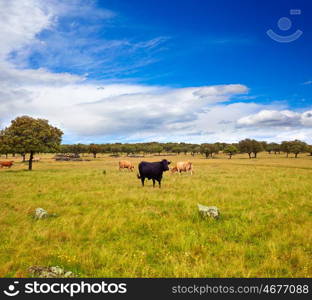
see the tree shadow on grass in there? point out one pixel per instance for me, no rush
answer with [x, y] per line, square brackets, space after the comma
[15, 171]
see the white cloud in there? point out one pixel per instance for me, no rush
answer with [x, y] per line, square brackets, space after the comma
[20, 21]
[80, 107]
[277, 125]
[9, 75]
[306, 118]
[271, 118]
[86, 110]
[95, 111]
[275, 118]
[69, 35]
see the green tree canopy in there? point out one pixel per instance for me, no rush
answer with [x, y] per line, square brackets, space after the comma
[29, 135]
[230, 150]
[285, 147]
[94, 149]
[156, 148]
[250, 146]
[245, 146]
[4, 143]
[77, 149]
[273, 147]
[297, 147]
[256, 147]
[209, 149]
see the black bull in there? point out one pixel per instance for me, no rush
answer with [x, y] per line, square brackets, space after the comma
[153, 170]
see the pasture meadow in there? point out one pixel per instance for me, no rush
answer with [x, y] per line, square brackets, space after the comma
[109, 226]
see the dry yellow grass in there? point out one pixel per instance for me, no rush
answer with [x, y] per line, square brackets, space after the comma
[109, 226]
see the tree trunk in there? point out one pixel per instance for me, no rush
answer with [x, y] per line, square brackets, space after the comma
[255, 155]
[287, 154]
[24, 157]
[94, 155]
[6, 155]
[249, 155]
[296, 155]
[30, 160]
[230, 155]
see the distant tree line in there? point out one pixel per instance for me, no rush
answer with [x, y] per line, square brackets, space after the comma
[248, 146]
[27, 136]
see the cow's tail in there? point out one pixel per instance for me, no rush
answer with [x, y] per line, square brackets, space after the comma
[138, 175]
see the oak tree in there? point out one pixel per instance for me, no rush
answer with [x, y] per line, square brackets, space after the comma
[29, 135]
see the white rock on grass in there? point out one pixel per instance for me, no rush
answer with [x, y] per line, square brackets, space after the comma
[50, 272]
[41, 213]
[208, 211]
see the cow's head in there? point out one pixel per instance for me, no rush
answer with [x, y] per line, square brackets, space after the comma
[165, 164]
[174, 169]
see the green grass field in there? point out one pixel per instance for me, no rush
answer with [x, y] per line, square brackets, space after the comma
[109, 226]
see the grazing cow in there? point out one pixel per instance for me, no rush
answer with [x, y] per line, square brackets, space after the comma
[124, 164]
[8, 164]
[153, 170]
[183, 166]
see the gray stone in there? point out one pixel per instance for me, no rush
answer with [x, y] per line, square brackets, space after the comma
[68, 274]
[50, 272]
[41, 213]
[57, 270]
[208, 211]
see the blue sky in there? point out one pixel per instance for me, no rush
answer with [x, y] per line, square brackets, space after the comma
[160, 70]
[223, 41]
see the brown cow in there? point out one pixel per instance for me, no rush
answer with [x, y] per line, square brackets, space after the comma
[125, 164]
[8, 164]
[183, 166]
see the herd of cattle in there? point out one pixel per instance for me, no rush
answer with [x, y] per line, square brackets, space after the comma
[154, 170]
[147, 170]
